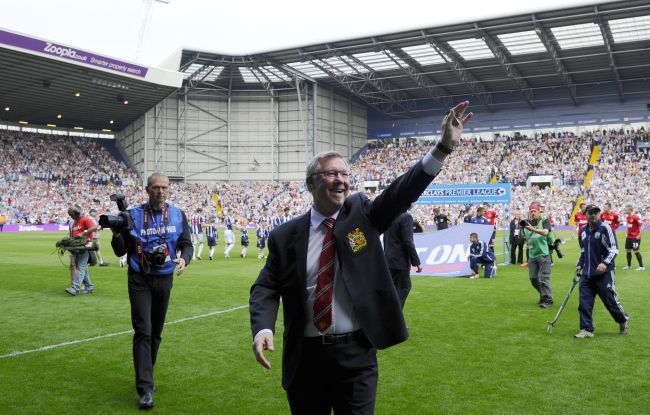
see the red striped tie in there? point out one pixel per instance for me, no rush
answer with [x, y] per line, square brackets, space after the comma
[325, 280]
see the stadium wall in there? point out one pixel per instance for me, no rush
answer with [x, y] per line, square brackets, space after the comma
[206, 135]
[590, 114]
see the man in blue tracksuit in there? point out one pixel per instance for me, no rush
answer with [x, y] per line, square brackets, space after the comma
[596, 264]
[479, 253]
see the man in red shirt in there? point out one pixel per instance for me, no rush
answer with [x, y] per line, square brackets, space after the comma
[80, 225]
[633, 240]
[491, 215]
[580, 219]
[609, 217]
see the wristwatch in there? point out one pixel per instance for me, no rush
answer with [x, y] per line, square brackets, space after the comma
[443, 148]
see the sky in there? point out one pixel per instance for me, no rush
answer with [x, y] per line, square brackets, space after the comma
[112, 27]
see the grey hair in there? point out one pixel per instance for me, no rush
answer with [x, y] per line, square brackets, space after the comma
[156, 175]
[314, 164]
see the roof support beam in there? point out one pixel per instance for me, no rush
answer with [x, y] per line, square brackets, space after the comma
[414, 71]
[396, 97]
[189, 62]
[351, 84]
[508, 67]
[475, 86]
[604, 30]
[559, 66]
[266, 82]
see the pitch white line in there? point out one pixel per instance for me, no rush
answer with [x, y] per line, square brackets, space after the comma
[119, 333]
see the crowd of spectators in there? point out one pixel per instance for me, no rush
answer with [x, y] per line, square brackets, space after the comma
[43, 175]
[621, 175]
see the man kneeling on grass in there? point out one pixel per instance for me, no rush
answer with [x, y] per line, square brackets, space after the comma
[480, 253]
[596, 264]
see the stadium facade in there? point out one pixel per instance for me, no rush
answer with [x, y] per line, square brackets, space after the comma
[261, 116]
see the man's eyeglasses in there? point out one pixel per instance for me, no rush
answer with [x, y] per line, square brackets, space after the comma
[331, 174]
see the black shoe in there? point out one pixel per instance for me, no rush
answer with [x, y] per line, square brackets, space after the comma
[146, 401]
[546, 305]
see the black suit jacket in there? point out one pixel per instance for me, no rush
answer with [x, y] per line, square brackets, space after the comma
[364, 271]
[514, 240]
[398, 244]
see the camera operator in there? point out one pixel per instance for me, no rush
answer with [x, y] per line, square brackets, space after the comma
[553, 242]
[535, 232]
[159, 231]
[80, 226]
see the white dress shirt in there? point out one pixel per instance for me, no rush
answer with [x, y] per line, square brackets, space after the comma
[343, 318]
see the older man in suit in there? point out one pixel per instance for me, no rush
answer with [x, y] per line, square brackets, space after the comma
[338, 297]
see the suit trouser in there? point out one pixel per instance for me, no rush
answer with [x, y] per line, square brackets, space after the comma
[539, 272]
[603, 285]
[149, 296]
[514, 247]
[402, 281]
[341, 376]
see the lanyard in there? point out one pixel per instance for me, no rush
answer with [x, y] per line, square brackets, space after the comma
[165, 218]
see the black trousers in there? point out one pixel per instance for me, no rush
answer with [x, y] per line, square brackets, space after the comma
[341, 376]
[402, 281]
[514, 258]
[149, 296]
[603, 286]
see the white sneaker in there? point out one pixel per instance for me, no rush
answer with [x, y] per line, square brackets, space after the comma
[623, 328]
[584, 334]
[627, 267]
[473, 277]
[640, 269]
[494, 271]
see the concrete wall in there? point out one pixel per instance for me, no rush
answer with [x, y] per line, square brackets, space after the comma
[208, 136]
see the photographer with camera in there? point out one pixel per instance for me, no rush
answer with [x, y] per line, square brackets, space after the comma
[152, 234]
[552, 240]
[535, 231]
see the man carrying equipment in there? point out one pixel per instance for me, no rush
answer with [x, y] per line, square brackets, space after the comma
[596, 264]
[536, 232]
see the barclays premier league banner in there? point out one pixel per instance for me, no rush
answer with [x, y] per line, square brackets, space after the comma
[444, 253]
[71, 54]
[465, 194]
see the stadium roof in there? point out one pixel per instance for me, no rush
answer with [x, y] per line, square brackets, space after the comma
[551, 57]
[40, 80]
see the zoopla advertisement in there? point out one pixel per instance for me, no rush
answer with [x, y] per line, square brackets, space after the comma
[444, 253]
[71, 54]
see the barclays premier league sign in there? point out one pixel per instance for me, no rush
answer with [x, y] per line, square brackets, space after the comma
[444, 253]
[465, 194]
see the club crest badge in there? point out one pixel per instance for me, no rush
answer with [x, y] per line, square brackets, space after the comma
[357, 240]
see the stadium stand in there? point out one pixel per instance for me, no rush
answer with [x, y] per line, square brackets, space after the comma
[43, 175]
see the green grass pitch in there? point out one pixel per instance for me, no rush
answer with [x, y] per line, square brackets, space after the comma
[476, 346]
